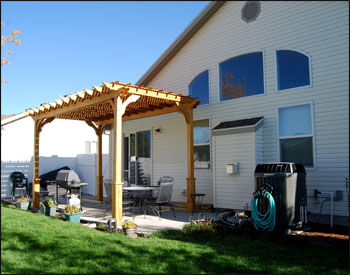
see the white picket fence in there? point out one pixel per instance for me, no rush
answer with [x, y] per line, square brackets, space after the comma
[84, 164]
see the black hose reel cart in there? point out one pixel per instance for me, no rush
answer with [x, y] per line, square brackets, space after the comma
[286, 183]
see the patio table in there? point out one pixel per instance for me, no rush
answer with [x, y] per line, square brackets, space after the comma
[140, 192]
[141, 188]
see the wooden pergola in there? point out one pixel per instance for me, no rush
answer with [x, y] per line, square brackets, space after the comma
[113, 103]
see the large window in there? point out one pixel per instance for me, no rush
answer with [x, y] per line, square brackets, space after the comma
[199, 87]
[201, 142]
[296, 134]
[292, 69]
[242, 76]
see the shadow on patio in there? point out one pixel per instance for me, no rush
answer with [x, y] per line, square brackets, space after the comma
[94, 211]
[99, 213]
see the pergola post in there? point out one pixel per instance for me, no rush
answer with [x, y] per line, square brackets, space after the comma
[38, 125]
[99, 178]
[119, 108]
[36, 179]
[99, 165]
[191, 181]
[117, 185]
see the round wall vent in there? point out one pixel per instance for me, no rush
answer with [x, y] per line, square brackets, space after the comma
[250, 11]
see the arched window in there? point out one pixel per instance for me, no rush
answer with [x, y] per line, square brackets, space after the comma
[242, 76]
[292, 69]
[199, 87]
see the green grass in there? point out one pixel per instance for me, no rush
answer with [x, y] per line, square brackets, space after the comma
[34, 243]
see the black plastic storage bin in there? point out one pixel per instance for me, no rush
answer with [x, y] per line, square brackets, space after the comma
[286, 181]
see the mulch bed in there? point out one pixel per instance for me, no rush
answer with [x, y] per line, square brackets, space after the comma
[324, 234]
[313, 233]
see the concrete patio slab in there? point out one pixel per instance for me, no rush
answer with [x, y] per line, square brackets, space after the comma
[147, 224]
[99, 213]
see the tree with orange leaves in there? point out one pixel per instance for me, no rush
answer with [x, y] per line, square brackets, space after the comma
[8, 39]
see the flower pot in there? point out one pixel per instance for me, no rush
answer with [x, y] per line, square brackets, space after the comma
[73, 217]
[130, 232]
[48, 211]
[23, 205]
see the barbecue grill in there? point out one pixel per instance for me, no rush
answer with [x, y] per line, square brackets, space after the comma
[70, 181]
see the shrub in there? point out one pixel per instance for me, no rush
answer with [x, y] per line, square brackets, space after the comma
[23, 199]
[48, 202]
[71, 209]
[200, 226]
[129, 224]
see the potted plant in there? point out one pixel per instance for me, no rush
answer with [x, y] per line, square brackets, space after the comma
[72, 213]
[129, 228]
[23, 203]
[48, 207]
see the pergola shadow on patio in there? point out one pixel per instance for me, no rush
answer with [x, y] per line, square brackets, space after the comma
[113, 103]
[95, 212]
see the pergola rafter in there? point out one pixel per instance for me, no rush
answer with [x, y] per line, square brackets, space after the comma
[113, 103]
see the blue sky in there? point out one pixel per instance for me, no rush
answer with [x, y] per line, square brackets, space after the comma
[70, 46]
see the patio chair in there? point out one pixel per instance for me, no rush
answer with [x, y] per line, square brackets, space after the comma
[19, 181]
[163, 199]
[128, 202]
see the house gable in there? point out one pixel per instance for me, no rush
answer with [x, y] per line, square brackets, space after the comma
[319, 30]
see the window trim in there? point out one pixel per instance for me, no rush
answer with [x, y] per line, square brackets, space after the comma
[264, 75]
[208, 143]
[188, 87]
[276, 70]
[313, 134]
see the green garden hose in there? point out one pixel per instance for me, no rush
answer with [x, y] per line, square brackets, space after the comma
[263, 221]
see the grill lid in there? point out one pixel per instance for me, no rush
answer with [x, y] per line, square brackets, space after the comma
[67, 176]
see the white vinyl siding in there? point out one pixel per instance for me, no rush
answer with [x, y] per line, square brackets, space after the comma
[169, 153]
[318, 29]
[233, 191]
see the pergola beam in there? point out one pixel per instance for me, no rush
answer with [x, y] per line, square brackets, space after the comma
[160, 94]
[167, 110]
[77, 106]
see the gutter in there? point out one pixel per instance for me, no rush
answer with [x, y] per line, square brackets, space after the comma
[13, 118]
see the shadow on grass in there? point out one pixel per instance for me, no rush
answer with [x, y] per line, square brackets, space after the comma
[72, 249]
[122, 255]
[272, 251]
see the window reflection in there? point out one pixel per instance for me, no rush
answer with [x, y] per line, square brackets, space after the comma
[199, 87]
[292, 69]
[242, 76]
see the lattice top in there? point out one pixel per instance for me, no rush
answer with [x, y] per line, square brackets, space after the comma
[96, 104]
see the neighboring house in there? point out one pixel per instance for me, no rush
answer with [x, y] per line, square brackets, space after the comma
[277, 72]
[62, 138]
[62, 143]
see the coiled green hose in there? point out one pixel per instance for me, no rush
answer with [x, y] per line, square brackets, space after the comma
[263, 221]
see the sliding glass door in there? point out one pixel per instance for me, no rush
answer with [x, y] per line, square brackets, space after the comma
[140, 158]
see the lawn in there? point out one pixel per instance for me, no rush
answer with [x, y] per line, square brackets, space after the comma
[34, 243]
